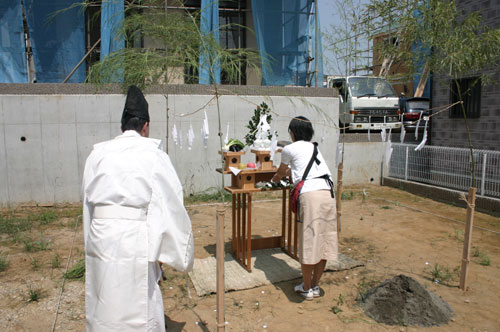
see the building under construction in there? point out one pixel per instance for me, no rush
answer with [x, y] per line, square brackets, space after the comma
[57, 41]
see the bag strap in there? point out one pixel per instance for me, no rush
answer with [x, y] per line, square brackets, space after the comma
[313, 158]
[328, 180]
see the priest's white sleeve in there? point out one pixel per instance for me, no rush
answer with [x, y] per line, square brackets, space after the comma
[87, 208]
[170, 233]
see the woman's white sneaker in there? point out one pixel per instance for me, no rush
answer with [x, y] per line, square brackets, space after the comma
[316, 291]
[306, 294]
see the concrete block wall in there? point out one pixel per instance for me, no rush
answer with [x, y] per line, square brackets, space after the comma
[363, 162]
[485, 130]
[48, 130]
[484, 204]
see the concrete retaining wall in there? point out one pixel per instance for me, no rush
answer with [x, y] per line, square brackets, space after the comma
[363, 162]
[484, 204]
[48, 130]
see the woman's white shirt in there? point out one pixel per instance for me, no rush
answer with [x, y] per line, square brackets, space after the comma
[297, 155]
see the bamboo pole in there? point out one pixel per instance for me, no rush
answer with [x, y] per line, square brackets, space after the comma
[423, 81]
[219, 250]
[471, 201]
[340, 172]
[81, 61]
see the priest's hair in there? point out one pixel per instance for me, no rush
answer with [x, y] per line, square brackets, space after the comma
[133, 123]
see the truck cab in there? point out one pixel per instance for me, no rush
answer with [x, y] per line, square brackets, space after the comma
[366, 103]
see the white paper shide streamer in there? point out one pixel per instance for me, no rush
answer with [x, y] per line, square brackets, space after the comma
[383, 134]
[388, 153]
[274, 144]
[226, 139]
[402, 135]
[424, 139]
[190, 136]
[418, 124]
[388, 149]
[204, 131]
[339, 154]
[174, 134]
[369, 126]
[180, 139]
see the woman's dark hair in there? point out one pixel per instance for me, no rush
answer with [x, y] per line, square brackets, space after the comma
[133, 123]
[301, 128]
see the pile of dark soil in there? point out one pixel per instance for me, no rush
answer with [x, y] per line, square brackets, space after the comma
[403, 301]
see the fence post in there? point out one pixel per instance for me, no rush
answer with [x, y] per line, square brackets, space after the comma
[483, 177]
[406, 165]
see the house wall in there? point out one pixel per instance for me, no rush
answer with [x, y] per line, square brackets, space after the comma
[485, 130]
[48, 130]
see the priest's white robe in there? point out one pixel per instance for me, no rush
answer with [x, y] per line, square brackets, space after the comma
[133, 218]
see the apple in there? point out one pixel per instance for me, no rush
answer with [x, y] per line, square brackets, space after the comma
[251, 165]
[242, 166]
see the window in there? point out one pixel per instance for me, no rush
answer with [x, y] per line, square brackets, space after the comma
[470, 90]
[232, 36]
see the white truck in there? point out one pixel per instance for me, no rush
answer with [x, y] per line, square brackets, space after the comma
[366, 102]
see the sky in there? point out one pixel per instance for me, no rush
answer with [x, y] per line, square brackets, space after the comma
[328, 16]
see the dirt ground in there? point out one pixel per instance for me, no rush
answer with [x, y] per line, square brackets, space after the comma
[391, 231]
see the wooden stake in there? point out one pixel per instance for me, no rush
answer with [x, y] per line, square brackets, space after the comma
[340, 172]
[219, 254]
[471, 201]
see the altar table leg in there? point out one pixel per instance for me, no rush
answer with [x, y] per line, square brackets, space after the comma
[243, 227]
[295, 235]
[249, 234]
[289, 243]
[283, 219]
[238, 225]
[233, 223]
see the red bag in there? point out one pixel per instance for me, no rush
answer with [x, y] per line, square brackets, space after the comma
[294, 194]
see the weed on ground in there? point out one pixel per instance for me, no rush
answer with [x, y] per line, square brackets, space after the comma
[443, 274]
[31, 245]
[77, 272]
[481, 257]
[34, 294]
[4, 263]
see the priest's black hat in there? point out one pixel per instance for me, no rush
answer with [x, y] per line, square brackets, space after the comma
[135, 105]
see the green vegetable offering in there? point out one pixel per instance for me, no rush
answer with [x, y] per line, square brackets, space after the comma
[234, 145]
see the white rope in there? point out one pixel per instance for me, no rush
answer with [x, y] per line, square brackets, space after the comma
[64, 275]
[218, 203]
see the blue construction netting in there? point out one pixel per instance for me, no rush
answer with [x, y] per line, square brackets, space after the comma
[57, 39]
[209, 24]
[13, 67]
[112, 16]
[283, 30]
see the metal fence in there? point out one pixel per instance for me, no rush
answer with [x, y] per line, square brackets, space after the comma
[447, 167]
